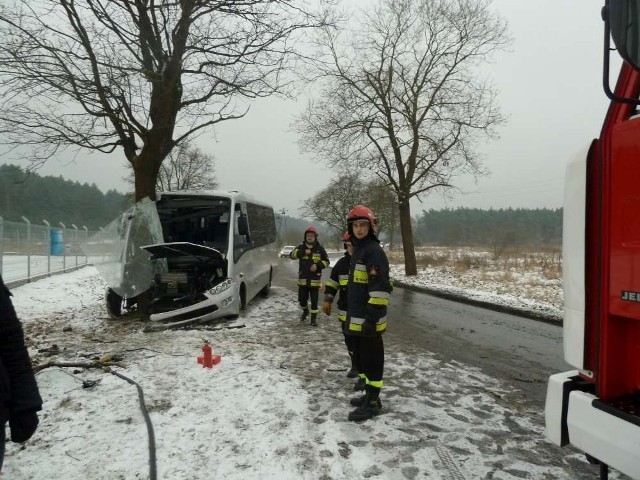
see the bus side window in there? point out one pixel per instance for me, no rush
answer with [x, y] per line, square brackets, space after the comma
[243, 228]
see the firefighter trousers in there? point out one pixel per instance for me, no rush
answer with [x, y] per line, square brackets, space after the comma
[369, 358]
[306, 293]
[349, 341]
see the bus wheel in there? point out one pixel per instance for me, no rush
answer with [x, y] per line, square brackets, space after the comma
[243, 297]
[113, 303]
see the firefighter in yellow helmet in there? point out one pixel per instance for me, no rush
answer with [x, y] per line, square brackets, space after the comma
[369, 290]
[312, 259]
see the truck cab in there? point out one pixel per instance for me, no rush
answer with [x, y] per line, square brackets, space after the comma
[596, 406]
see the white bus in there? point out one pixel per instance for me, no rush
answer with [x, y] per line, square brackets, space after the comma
[219, 252]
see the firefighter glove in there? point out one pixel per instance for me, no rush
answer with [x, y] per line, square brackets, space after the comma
[23, 425]
[326, 307]
[368, 328]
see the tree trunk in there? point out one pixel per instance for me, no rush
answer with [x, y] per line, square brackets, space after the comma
[410, 268]
[393, 224]
[163, 110]
[146, 168]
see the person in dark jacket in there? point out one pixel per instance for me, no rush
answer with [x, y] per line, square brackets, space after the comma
[313, 258]
[19, 396]
[369, 290]
[337, 285]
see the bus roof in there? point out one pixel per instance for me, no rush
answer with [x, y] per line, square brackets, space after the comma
[235, 195]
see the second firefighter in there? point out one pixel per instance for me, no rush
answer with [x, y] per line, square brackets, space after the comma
[312, 259]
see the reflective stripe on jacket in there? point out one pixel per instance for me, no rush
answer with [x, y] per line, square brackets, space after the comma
[369, 289]
[337, 284]
[318, 257]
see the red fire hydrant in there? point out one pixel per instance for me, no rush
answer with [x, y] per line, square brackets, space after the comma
[207, 359]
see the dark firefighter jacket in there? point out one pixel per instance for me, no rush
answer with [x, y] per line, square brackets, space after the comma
[337, 283]
[368, 288]
[18, 388]
[318, 257]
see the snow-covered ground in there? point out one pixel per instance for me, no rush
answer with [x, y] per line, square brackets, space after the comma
[528, 293]
[529, 282]
[275, 407]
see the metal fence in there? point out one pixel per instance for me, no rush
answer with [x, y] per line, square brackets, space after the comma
[29, 251]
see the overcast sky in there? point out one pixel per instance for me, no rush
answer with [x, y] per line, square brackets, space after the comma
[549, 88]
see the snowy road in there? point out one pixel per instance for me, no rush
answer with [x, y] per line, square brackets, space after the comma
[274, 408]
[520, 351]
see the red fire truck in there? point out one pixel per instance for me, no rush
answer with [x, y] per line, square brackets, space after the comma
[596, 407]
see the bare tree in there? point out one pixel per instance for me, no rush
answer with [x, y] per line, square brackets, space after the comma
[381, 198]
[187, 168]
[332, 204]
[401, 97]
[138, 75]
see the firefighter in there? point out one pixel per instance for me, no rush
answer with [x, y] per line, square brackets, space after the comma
[368, 293]
[313, 258]
[337, 284]
[19, 396]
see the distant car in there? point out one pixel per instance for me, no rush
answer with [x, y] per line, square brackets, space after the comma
[286, 250]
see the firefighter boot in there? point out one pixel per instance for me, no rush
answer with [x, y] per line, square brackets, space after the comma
[313, 320]
[370, 406]
[357, 401]
[303, 317]
[359, 385]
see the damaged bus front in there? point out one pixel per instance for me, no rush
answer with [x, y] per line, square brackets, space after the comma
[205, 255]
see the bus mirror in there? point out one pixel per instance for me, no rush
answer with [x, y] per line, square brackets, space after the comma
[624, 22]
[243, 225]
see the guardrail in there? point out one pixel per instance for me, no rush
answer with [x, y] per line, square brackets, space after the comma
[29, 251]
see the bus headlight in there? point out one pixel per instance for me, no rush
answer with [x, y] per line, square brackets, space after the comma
[227, 301]
[221, 287]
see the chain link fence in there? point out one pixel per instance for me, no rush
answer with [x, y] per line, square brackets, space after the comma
[29, 251]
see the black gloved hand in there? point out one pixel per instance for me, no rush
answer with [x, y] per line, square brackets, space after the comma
[368, 328]
[23, 425]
